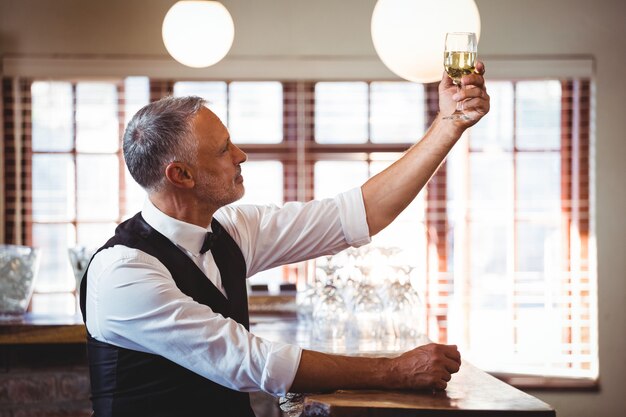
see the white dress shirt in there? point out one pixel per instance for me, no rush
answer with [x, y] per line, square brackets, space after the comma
[133, 302]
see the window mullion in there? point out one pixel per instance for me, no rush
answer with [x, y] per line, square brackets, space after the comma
[369, 127]
[514, 224]
[304, 186]
[74, 151]
[121, 117]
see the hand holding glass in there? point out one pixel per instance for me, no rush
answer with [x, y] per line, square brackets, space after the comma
[459, 60]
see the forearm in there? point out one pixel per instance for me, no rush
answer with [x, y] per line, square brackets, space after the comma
[388, 193]
[323, 372]
[428, 366]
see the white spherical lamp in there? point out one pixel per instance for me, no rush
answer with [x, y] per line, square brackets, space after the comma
[409, 35]
[198, 33]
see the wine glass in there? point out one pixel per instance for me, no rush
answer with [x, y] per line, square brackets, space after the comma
[368, 318]
[459, 59]
[79, 259]
[330, 318]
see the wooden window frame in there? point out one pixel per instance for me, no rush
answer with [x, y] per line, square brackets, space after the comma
[298, 153]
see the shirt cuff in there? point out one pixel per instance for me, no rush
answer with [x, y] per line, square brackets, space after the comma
[280, 368]
[353, 217]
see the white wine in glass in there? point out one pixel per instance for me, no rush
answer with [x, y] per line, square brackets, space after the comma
[459, 59]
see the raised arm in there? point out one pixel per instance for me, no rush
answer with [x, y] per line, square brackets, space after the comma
[388, 193]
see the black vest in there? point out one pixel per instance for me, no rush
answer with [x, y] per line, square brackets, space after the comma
[127, 383]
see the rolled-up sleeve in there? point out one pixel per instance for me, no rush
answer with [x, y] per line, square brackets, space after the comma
[280, 368]
[270, 235]
[353, 217]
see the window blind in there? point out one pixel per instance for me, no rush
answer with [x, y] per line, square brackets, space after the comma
[507, 264]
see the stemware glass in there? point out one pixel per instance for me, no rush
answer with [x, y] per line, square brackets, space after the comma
[330, 318]
[329, 265]
[459, 59]
[402, 313]
[305, 300]
[368, 318]
[79, 259]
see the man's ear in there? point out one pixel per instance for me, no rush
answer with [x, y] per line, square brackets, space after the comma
[179, 175]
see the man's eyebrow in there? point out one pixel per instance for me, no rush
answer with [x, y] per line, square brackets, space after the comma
[226, 143]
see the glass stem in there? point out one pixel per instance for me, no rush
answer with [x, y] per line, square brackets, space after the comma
[459, 104]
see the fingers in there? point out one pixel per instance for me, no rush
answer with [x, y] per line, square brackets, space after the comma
[468, 92]
[474, 95]
[450, 358]
[446, 351]
[473, 80]
[440, 381]
[480, 67]
[445, 360]
[453, 353]
[426, 367]
[440, 385]
[473, 86]
[477, 78]
[452, 366]
[436, 381]
[479, 106]
[446, 82]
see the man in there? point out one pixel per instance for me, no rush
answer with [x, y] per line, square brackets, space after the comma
[165, 303]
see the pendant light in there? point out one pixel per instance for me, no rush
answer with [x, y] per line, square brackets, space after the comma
[198, 34]
[409, 35]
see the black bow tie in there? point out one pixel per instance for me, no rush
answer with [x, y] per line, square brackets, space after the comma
[209, 240]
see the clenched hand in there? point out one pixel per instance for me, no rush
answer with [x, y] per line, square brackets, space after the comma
[429, 366]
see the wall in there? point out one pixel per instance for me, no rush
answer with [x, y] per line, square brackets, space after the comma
[334, 36]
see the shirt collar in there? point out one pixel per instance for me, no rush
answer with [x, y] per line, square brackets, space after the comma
[185, 235]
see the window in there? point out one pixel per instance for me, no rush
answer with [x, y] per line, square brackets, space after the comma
[252, 111]
[353, 118]
[80, 189]
[500, 239]
[75, 140]
[518, 233]
[503, 227]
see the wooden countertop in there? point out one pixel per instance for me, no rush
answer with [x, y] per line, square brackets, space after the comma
[41, 329]
[471, 392]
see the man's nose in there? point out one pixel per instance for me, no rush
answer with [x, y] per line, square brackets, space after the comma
[240, 156]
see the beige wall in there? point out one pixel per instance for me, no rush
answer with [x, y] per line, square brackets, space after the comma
[275, 37]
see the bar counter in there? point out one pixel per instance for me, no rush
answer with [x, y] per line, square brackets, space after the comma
[471, 392]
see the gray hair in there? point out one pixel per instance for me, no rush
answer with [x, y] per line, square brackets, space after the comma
[158, 134]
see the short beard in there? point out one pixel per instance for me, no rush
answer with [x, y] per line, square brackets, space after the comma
[208, 191]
